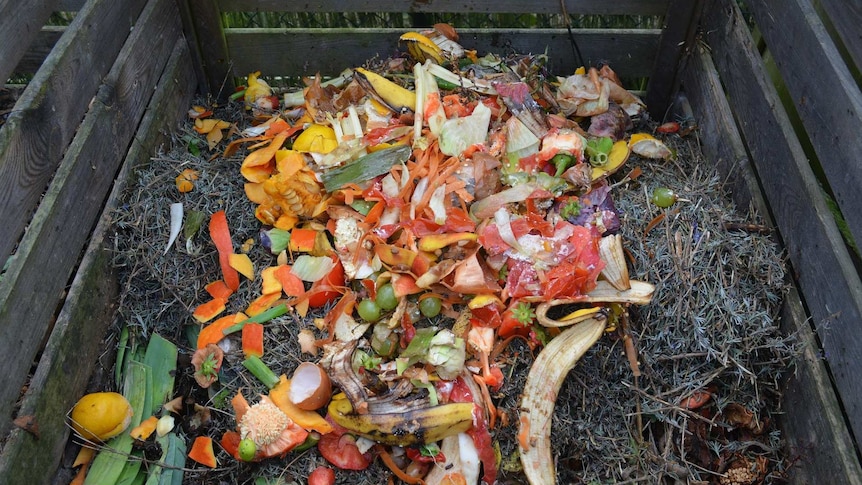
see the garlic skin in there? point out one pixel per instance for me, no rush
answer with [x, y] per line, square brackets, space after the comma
[165, 425]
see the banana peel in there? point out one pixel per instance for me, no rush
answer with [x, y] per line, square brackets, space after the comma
[412, 427]
[421, 48]
[639, 293]
[537, 409]
[386, 92]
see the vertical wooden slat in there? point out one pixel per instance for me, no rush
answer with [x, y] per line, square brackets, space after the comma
[47, 114]
[209, 40]
[814, 426]
[846, 18]
[46, 257]
[18, 29]
[827, 277]
[680, 25]
[74, 347]
[827, 98]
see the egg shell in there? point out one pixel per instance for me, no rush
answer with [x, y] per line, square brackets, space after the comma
[310, 387]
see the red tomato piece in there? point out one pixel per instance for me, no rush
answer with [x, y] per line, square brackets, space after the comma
[522, 280]
[322, 475]
[339, 448]
[320, 294]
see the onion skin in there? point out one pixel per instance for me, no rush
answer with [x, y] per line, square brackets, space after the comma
[540, 394]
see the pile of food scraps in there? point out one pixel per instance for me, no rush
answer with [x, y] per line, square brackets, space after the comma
[389, 275]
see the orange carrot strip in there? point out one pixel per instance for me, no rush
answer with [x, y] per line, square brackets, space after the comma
[252, 339]
[373, 216]
[220, 235]
[214, 332]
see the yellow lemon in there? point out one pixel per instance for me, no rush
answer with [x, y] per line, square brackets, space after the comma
[101, 415]
[316, 138]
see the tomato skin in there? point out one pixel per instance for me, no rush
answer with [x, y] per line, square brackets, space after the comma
[318, 296]
[511, 325]
[322, 475]
[416, 455]
[339, 448]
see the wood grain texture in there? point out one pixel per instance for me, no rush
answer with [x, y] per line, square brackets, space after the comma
[47, 114]
[597, 7]
[40, 49]
[75, 345]
[676, 42]
[329, 51]
[19, 27]
[826, 96]
[718, 134]
[826, 276]
[48, 253]
[814, 427]
[209, 40]
[846, 18]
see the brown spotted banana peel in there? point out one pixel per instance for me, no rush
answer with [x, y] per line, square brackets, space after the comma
[540, 394]
[413, 426]
[639, 293]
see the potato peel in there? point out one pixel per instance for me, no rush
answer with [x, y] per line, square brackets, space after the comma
[540, 394]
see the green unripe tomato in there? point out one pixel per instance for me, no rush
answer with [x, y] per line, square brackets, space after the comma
[663, 197]
[368, 310]
[430, 307]
[247, 449]
[386, 298]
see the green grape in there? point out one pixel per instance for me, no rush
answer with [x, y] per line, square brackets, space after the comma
[247, 449]
[663, 197]
[386, 298]
[430, 307]
[368, 310]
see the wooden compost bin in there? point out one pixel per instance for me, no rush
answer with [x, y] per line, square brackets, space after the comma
[103, 94]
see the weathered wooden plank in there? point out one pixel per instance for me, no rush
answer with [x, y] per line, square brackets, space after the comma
[815, 430]
[826, 275]
[720, 140]
[47, 254]
[826, 96]
[846, 17]
[37, 132]
[329, 51]
[209, 40]
[677, 37]
[18, 28]
[574, 7]
[39, 50]
[75, 344]
[814, 427]
[69, 5]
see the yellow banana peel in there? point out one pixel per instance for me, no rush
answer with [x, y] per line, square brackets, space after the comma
[385, 91]
[411, 427]
[545, 378]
